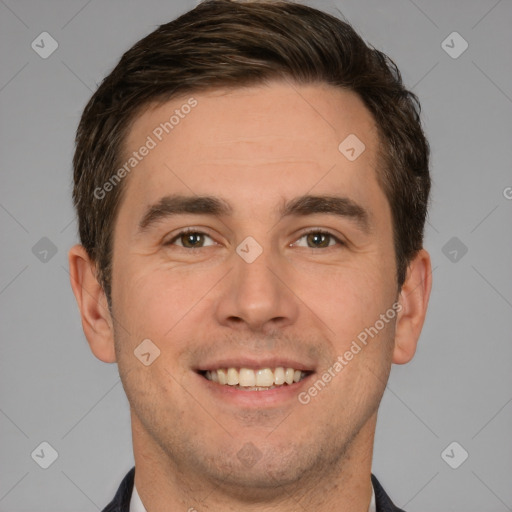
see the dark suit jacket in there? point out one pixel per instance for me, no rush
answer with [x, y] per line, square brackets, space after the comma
[121, 501]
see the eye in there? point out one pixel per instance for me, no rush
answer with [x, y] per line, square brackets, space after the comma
[319, 239]
[189, 239]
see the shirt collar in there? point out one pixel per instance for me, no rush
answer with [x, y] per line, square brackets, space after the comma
[136, 504]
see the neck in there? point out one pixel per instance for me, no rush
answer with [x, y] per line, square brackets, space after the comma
[164, 483]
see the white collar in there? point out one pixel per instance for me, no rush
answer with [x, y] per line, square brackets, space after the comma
[136, 504]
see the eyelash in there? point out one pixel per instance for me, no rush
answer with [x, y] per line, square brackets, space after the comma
[196, 231]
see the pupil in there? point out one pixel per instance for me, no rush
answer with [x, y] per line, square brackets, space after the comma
[191, 237]
[316, 237]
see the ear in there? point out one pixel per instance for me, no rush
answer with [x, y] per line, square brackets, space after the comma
[92, 303]
[413, 298]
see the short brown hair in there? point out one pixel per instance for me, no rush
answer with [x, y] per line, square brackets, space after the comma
[224, 43]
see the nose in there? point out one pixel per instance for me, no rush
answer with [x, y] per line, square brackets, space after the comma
[258, 296]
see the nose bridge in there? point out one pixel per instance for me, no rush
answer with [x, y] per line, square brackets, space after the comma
[255, 293]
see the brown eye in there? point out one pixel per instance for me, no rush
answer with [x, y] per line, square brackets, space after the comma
[319, 239]
[189, 239]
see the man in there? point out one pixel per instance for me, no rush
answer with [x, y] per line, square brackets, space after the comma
[251, 183]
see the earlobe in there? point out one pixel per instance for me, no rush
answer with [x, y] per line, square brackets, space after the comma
[414, 297]
[92, 303]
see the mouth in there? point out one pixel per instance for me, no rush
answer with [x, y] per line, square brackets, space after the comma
[255, 379]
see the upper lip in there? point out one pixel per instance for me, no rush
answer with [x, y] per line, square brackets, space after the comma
[255, 363]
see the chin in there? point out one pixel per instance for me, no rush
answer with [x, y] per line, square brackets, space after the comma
[252, 473]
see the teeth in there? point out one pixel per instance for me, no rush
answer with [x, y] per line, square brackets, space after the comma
[222, 376]
[263, 378]
[233, 378]
[246, 377]
[279, 377]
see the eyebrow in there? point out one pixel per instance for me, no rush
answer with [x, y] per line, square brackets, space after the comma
[171, 205]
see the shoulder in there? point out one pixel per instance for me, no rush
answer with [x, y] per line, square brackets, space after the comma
[382, 500]
[121, 501]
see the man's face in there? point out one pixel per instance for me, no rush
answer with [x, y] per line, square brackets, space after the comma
[210, 301]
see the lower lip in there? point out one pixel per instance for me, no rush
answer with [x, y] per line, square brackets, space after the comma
[265, 398]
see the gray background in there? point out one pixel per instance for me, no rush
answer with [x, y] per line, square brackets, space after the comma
[457, 388]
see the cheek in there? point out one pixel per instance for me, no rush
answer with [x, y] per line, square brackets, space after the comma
[347, 299]
[161, 303]
[152, 306]
[357, 307]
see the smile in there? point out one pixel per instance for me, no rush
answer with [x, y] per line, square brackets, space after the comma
[255, 379]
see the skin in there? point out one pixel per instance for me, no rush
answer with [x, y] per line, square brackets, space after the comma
[254, 147]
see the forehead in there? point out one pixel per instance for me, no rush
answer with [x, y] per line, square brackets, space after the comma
[254, 144]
